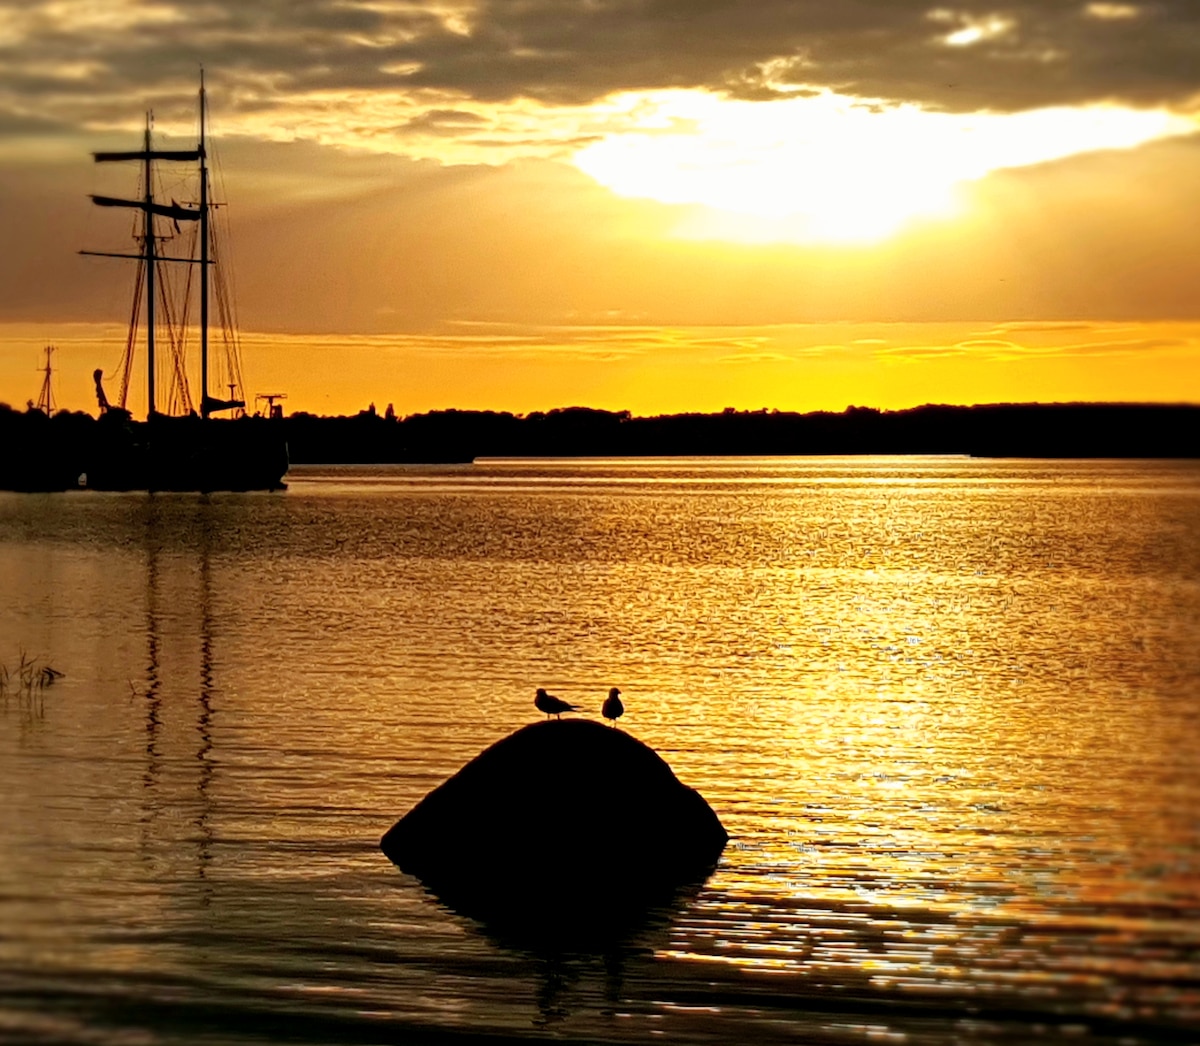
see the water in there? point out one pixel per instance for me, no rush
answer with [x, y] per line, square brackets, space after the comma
[948, 711]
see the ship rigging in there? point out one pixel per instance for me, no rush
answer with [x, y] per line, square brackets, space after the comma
[157, 294]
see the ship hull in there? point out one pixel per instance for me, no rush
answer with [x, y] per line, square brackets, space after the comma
[72, 451]
[186, 454]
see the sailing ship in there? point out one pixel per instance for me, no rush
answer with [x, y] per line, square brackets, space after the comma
[183, 447]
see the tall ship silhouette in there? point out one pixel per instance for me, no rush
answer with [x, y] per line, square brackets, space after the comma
[194, 442]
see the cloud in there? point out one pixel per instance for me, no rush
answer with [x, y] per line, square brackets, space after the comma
[1035, 327]
[1128, 347]
[1113, 12]
[540, 346]
[757, 358]
[834, 349]
[443, 121]
[921, 352]
[995, 349]
[90, 62]
[323, 241]
[985, 343]
[27, 125]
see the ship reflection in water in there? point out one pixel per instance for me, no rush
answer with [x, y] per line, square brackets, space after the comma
[944, 708]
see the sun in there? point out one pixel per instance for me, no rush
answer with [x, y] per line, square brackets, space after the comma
[831, 169]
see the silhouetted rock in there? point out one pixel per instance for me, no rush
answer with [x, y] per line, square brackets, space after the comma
[563, 821]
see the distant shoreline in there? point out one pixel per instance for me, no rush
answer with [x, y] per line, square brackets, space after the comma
[1073, 430]
[41, 453]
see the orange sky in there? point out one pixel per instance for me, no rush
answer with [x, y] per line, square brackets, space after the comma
[491, 205]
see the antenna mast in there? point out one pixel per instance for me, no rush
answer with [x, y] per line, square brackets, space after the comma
[45, 401]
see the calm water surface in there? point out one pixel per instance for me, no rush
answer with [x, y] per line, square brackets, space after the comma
[948, 710]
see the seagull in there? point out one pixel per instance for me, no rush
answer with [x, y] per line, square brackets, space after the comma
[613, 709]
[551, 705]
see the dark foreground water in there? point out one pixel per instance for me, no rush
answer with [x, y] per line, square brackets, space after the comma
[948, 710]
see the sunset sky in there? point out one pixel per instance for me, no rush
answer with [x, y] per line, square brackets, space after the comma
[652, 205]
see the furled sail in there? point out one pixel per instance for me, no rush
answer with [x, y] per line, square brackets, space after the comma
[166, 210]
[187, 155]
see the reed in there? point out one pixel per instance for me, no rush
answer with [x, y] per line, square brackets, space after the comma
[31, 676]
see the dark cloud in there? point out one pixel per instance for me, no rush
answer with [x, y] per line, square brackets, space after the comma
[1026, 53]
[16, 125]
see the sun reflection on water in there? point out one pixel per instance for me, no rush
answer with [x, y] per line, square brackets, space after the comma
[946, 710]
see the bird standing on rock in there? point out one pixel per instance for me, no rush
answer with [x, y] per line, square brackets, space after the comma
[551, 705]
[613, 709]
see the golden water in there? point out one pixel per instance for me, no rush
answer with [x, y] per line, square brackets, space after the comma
[948, 711]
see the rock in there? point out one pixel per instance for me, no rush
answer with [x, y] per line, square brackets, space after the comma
[561, 815]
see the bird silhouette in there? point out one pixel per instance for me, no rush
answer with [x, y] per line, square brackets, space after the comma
[613, 709]
[551, 705]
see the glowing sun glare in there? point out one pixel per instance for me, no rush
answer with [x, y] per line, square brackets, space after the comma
[828, 168]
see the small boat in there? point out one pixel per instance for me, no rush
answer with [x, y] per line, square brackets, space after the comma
[182, 447]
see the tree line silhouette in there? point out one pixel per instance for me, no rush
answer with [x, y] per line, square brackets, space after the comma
[1000, 430]
[38, 451]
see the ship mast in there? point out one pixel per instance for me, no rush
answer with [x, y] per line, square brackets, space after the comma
[204, 216]
[148, 248]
